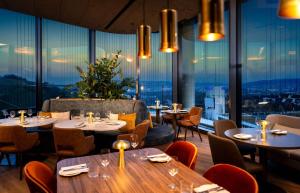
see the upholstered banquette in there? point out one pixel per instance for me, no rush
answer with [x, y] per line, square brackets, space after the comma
[291, 124]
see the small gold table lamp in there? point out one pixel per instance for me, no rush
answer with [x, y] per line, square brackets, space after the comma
[121, 145]
[264, 125]
[90, 117]
[22, 117]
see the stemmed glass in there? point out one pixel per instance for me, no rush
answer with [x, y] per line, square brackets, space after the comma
[134, 142]
[105, 162]
[97, 116]
[172, 171]
[5, 113]
[12, 114]
[107, 114]
[29, 112]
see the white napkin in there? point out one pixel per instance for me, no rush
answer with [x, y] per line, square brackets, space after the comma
[79, 166]
[73, 170]
[159, 158]
[279, 132]
[209, 188]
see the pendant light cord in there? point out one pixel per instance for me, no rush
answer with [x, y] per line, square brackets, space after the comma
[144, 12]
[168, 4]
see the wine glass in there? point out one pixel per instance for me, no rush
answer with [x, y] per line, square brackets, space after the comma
[107, 114]
[105, 162]
[12, 114]
[5, 113]
[173, 171]
[97, 116]
[82, 114]
[134, 143]
[29, 112]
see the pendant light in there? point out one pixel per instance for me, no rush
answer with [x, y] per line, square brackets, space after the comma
[168, 30]
[144, 38]
[211, 21]
[289, 9]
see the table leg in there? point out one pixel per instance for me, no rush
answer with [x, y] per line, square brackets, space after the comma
[157, 118]
[174, 125]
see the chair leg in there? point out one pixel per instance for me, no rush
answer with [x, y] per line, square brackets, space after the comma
[1, 156]
[8, 159]
[185, 134]
[21, 165]
[178, 132]
[199, 133]
[192, 133]
[252, 156]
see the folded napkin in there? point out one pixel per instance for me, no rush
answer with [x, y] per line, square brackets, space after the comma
[242, 136]
[279, 132]
[74, 167]
[210, 188]
[159, 158]
[157, 155]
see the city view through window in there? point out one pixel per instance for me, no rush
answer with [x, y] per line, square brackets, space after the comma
[270, 64]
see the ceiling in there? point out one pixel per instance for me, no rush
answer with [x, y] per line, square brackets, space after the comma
[117, 16]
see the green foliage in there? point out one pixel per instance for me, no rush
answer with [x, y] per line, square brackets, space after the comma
[104, 79]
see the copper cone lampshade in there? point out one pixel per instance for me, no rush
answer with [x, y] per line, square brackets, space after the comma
[211, 20]
[289, 9]
[144, 41]
[168, 31]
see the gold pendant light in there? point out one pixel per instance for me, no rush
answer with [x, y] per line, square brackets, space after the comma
[168, 30]
[144, 38]
[289, 9]
[211, 21]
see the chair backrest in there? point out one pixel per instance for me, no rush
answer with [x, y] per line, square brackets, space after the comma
[67, 139]
[39, 177]
[288, 121]
[222, 125]
[13, 135]
[232, 178]
[195, 115]
[225, 151]
[185, 151]
[141, 130]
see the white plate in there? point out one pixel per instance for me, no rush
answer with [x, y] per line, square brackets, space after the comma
[242, 136]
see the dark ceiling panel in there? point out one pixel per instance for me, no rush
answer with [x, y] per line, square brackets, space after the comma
[103, 15]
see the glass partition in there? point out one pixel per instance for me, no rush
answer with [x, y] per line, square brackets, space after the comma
[64, 47]
[17, 61]
[270, 71]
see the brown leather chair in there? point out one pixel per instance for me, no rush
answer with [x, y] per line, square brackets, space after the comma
[39, 177]
[225, 151]
[191, 121]
[140, 130]
[15, 139]
[167, 118]
[223, 125]
[72, 143]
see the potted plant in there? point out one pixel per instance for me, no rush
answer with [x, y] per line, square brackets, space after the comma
[103, 79]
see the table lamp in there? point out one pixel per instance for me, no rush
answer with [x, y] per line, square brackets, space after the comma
[263, 124]
[22, 117]
[121, 145]
[90, 117]
[175, 107]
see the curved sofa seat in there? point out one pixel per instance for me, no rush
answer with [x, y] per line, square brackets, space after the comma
[159, 135]
[98, 105]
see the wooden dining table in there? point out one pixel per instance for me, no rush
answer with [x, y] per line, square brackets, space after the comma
[138, 176]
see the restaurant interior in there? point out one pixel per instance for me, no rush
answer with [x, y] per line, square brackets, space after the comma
[133, 96]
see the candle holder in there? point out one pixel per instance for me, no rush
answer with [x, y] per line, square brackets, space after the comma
[263, 124]
[90, 117]
[22, 116]
[121, 145]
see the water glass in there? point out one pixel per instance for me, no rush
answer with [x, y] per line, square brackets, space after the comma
[105, 160]
[186, 187]
[172, 172]
[134, 142]
[82, 114]
[29, 112]
[12, 114]
[93, 170]
[97, 116]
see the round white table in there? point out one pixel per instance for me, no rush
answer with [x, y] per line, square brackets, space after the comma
[99, 125]
[29, 122]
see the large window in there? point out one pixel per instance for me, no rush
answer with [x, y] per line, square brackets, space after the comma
[271, 71]
[17, 60]
[205, 69]
[64, 47]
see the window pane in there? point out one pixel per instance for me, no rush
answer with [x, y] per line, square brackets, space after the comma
[64, 47]
[156, 75]
[107, 44]
[205, 73]
[17, 60]
[270, 73]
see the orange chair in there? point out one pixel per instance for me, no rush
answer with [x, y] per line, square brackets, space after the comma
[39, 177]
[232, 178]
[185, 151]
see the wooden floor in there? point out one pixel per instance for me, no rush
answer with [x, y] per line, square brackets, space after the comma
[10, 183]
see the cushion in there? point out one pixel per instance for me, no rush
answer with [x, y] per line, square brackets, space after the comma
[44, 114]
[150, 119]
[61, 115]
[288, 129]
[113, 116]
[130, 121]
